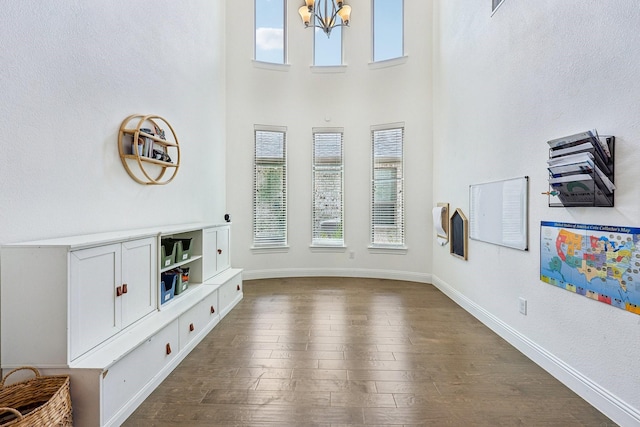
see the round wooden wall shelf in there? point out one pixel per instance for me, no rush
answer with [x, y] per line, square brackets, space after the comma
[147, 151]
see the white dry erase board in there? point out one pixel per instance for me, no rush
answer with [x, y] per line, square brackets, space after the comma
[498, 212]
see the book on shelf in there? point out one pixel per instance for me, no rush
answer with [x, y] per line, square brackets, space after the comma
[585, 166]
[571, 158]
[570, 178]
[572, 172]
[584, 148]
[585, 181]
[605, 180]
[570, 144]
[585, 193]
[567, 141]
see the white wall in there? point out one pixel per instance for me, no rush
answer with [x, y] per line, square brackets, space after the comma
[356, 98]
[70, 72]
[504, 85]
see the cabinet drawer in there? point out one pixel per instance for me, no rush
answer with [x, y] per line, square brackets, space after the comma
[130, 374]
[228, 293]
[193, 322]
[211, 306]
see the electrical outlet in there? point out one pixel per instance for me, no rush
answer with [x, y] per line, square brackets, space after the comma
[523, 305]
[352, 254]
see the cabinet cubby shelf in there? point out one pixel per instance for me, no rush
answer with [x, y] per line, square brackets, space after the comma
[181, 263]
[149, 160]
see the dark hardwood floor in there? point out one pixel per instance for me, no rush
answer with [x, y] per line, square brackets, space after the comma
[357, 352]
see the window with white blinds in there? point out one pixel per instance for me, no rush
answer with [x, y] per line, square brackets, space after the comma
[270, 189]
[328, 185]
[387, 182]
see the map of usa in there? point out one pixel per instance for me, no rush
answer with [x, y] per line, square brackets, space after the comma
[597, 261]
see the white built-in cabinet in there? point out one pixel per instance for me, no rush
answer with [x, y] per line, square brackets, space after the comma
[96, 312]
[89, 307]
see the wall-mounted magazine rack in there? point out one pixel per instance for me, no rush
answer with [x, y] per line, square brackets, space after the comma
[582, 170]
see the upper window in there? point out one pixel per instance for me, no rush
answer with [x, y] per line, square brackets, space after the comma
[328, 185]
[388, 29]
[387, 182]
[327, 51]
[270, 31]
[269, 188]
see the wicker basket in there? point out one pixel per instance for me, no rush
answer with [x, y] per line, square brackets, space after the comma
[39, 401]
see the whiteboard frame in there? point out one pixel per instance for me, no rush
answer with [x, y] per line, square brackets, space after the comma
[493, 207]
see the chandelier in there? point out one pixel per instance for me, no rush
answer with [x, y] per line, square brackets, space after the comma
[324, 13]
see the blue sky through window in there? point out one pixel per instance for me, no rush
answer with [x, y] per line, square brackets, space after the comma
[269, 31]
[328, 51]
[387, 29]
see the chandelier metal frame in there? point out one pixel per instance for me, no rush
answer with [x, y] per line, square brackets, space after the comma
[325, 15]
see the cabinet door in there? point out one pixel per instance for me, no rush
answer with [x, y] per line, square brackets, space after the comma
[215, 251]
[94, 314]
[209, 252]
[222, 251]
[139, 274]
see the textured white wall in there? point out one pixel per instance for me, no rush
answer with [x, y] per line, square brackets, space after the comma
[70, 72]
[355, 99]
[504, 85]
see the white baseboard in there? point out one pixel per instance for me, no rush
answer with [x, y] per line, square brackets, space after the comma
[603, 400]
[406, 276]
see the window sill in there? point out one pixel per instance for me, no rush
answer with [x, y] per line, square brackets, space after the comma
[388, 249]
[269, 249]
[328, 69]
[271, 66]
[316, 247]
[394, 62]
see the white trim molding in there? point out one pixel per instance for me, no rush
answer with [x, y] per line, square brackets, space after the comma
[407, 276]
[612, 406]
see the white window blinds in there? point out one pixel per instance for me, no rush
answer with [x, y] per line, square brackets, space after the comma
[387, 195]
[269, 189]
[328, 185]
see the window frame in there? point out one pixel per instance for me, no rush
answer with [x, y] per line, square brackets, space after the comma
[324, 170]
[373, 35]
[265, 243]
[398, 203]
[284, 35]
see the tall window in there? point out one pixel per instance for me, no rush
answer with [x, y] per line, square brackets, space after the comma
[269, 188]
[270, 31]
[387, 182]
[388, 29]
[328, 184]
[327, 51]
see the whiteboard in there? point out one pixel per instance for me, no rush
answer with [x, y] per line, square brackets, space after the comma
[498, 212]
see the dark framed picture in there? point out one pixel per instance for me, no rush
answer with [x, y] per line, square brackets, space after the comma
[459, 234]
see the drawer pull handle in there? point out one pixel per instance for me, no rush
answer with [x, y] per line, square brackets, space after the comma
[119, 291]
[191, 327]
[219, 251]
[124, 288]
[213, 310]
[168, 349]
[238, 287]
